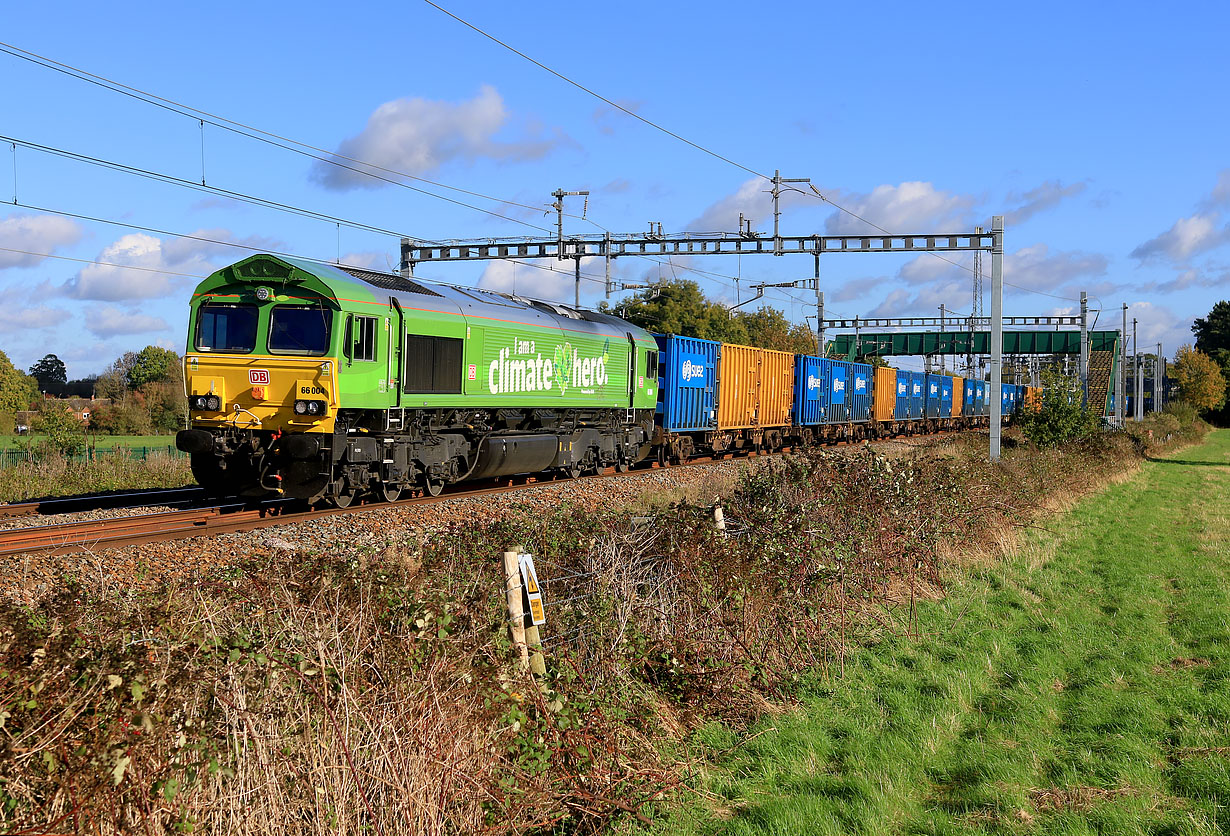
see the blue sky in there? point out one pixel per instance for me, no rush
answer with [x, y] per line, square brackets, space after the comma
[1100, 134]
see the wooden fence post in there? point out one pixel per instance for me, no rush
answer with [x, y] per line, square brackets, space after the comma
[516, 613]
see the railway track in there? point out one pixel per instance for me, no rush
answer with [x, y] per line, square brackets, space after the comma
[96, 502]
[228, 518]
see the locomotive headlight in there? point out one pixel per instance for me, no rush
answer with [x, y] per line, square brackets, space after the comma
[313, 408]
[205, 403]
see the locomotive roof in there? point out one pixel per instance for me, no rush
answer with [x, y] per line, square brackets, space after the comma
[427, 296]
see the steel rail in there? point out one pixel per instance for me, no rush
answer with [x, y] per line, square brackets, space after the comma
[96, 502]
[119, 532]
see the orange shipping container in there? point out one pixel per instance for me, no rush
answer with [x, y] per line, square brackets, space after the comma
[1033, 397]
[755, 387]
[958, 395]
[884, 393]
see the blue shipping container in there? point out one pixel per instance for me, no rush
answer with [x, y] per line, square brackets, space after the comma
[945, 396]
[901, 409]
[969, 397]
[809, 389]
[934, 402]
[687, 383]
[860, 405]
[918, 395]
[848, 393]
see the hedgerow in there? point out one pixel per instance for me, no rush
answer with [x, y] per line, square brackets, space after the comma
[378, 695]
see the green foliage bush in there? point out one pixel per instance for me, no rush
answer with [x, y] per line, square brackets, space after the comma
[63, 431]
[1060, 416]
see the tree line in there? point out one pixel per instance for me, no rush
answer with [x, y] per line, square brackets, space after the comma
[142, 393]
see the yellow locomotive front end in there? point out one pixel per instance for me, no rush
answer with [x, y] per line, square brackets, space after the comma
[261, 377]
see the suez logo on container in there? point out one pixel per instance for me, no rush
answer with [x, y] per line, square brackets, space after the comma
[522, 368]
[692, 368]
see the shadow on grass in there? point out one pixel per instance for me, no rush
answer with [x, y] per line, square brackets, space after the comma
[1187, 462]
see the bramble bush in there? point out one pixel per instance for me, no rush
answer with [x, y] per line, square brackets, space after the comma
[370, 693]
[1059, 417]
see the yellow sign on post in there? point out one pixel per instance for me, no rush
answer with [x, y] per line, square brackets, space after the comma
[531, 589]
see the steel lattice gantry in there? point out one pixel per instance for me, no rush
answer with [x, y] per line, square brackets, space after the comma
[886, 344]
[610, 246]
[614, 246]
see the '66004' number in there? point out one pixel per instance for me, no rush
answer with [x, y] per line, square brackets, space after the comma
[312, 390]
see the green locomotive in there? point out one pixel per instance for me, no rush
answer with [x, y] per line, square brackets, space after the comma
[326, 382]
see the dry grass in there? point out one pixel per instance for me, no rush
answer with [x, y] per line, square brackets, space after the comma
[307, 697]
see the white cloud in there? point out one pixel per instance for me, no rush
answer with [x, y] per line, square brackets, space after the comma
[1194, 234]
[164, 265]
[111, 281]
[548, 281]
[1037, 268]
[1187, 237]
[924, 269]
[855, 289]
[34, 234]
[752, 199]
[1188, 279]
[911, 207]
[416, 136]
[16, 318]
[1044, 197]
[1155, 323]
[926, 302]
[378, 262]
[1220, 195]
[109, 321]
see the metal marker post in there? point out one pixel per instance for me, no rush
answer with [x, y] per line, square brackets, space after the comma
[1120, 408]
[820, 323]
[1159, 366]
[1085, 350]
[997, 332]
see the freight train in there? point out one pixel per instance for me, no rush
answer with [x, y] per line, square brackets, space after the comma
[327, 383]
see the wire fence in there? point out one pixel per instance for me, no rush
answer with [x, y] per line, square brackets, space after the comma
[14, 457]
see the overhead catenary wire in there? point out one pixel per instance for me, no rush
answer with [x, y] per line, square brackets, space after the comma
[271, 138]
[333, 157]
[215, 190]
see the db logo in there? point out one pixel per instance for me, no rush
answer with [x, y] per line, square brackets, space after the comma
[258, 377]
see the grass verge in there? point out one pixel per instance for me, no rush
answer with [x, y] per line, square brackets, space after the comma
[1078, 687]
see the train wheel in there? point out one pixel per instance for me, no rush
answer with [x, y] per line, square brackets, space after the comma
[434, 487]
[574, 470]
[622, 466]
[343, 500]
[389, 493]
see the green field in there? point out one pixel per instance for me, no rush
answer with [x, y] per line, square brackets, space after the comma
[99, 442]
[1079, 687]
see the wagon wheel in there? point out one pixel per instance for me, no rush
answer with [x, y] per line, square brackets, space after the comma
[343, 499]
[433, 487]
[622, 465]
[390, 492]
[574, 470]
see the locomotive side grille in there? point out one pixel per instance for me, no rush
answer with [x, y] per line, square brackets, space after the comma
[433, 365]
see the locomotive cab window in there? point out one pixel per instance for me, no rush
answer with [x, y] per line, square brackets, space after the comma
[651, 364]
[361, 337]
[226, 328]
[299, 330]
